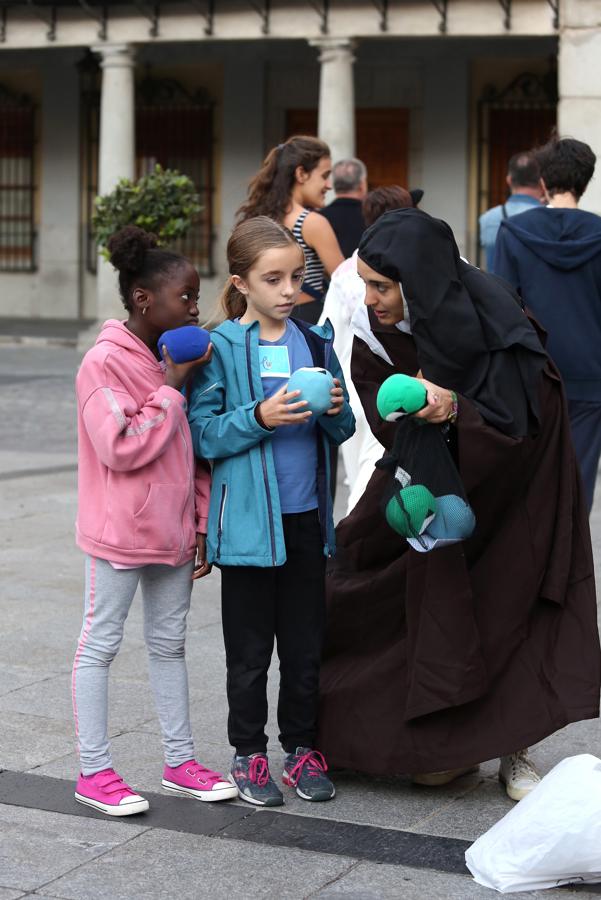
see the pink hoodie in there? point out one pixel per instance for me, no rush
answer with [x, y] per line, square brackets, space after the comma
[141, 499]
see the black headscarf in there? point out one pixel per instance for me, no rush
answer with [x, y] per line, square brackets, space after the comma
[471, 333]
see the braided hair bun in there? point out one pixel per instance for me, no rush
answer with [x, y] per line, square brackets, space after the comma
[128, 248]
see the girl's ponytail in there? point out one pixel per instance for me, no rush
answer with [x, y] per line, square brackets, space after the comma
[232, 301]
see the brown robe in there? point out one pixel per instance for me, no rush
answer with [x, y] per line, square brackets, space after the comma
[439, 660]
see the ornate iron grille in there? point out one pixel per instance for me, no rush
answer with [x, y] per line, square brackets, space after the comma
[17, 189]
[512, 120]
[175, 129]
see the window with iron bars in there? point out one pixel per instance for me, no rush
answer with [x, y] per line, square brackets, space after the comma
[174, 129]
[17, 189]
[512, 120]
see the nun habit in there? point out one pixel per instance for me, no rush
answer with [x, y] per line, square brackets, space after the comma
[440, 660]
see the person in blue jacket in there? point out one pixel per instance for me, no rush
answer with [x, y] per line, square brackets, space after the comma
[552, 256]
[270, 527]
[523, 181]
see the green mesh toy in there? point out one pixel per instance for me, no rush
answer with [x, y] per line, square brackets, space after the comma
[400, 395]
[410, 510]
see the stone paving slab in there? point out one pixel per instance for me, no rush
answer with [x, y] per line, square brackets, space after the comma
[38, 847]
[28, 741]
[159, 864]
[13, 678]
[39, 406]
[131, 702]
[13, 466]
[366, 881]
[10, 894]
[37, 895]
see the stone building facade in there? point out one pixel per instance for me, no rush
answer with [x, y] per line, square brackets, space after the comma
[431, 93]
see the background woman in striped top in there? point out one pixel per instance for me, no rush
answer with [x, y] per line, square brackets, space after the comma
[292, 182]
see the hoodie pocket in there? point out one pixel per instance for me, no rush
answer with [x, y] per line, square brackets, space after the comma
[158, 524]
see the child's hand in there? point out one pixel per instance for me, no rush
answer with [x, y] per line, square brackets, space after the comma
[337, 399]
[279, 411]
[201, 567]
[178, 373]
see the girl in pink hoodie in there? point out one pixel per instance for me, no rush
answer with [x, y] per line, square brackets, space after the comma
[141, 520]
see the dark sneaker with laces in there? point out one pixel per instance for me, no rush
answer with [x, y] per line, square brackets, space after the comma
[306, 770]
[251, 776]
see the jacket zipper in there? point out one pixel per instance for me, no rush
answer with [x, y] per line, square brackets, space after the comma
[221, 512]
[321, 355]
[262, 451]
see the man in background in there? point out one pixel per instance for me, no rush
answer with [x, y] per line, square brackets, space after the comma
[523, 180]
[552, 256]
[349, 177]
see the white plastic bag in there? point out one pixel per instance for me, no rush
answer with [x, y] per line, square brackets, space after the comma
[551, 837]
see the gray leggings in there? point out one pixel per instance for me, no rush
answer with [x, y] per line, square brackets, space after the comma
[108, 596]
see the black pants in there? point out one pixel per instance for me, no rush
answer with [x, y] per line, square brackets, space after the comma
[286, 603]
[585, 423]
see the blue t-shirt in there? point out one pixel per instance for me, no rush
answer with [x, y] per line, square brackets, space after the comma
[490, 222]
[294, 446]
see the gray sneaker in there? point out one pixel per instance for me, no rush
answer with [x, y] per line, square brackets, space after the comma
[306, 770]
[251, 776]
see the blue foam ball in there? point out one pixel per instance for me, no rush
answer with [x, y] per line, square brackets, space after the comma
[315, 386]
[454, 519]
[185, 343]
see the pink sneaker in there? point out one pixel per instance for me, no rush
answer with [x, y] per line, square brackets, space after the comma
[195, 780]
[108, 792]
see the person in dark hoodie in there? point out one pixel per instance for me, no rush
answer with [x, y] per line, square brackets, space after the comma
[552, 256]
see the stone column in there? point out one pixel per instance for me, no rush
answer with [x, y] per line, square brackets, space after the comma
[116, 159]
[336, 119]
[445, 118]
[60, 197]
[579, 111]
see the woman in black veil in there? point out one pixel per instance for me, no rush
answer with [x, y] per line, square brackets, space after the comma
[437, 661]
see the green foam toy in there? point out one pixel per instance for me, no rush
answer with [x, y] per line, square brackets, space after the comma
[400, 395]
[410, 511]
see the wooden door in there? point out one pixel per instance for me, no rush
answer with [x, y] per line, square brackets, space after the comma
[513, 131]
[382, 141]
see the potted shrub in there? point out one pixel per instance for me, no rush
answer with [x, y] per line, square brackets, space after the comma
[164, 202]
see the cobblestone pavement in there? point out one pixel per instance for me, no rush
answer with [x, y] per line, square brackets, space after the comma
[380, 838]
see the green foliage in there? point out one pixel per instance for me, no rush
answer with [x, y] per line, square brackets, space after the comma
[163, 202]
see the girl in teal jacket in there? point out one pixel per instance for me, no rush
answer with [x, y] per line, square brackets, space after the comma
[270, 525]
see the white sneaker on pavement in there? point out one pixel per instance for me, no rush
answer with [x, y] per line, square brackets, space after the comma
[518, 774]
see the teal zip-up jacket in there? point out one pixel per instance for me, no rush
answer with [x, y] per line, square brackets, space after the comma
[245, 519]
